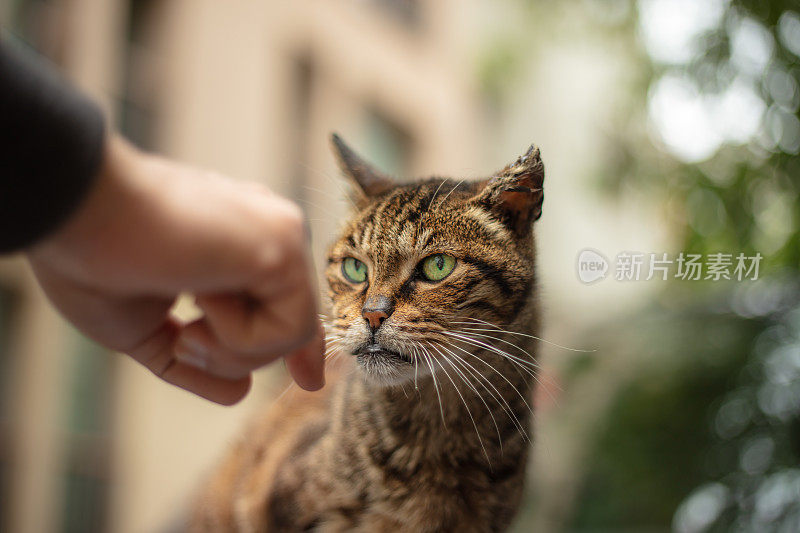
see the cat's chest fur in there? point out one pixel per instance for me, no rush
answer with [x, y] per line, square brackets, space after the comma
[360, 470]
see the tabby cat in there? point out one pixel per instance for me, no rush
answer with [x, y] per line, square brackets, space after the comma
[433, 292]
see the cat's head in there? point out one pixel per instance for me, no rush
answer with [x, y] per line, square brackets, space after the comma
[419, 262]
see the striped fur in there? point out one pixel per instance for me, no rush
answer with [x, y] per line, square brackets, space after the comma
[437, 438]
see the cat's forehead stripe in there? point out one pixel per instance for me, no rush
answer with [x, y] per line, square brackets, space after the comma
[408, 218]
[400, 216]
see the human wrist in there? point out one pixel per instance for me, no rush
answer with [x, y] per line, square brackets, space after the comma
[80, 237]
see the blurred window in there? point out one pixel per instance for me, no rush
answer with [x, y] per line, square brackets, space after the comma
[387, 144]
[86, 468]
[302, 88]
[7, 303]
[138, 109]
[40, 24]
[407, 11]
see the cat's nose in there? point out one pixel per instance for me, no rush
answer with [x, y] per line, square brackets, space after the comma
[377, 309]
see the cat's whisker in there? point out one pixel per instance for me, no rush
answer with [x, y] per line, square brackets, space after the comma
[441, 202]
[282, 394]
[429, 361]
[504, 404]
[435, 193]
[474, 389]
[416, 370]
[469, 411]
[504, 341]
[332, 343]
[333, 180]
[499, 329]
[525, 366]
[332, 216]
[517, 362]
[499, 397]
[579, 350]
[529, 366]
[333, 354]
[514, 365]
[463, 331]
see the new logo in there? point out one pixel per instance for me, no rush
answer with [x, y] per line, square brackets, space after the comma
[592, 266]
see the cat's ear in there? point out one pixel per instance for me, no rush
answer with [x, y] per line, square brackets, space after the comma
[516, 193]
[368, 181]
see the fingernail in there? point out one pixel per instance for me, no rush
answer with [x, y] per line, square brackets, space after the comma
[191, 357]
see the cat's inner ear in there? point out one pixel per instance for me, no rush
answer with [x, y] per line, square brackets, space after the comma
[516, 193]
[368, 181]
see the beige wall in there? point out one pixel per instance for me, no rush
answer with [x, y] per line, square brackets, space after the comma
[36, 365]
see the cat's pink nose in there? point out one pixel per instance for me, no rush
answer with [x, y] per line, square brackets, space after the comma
[377, 309]
[375, 318]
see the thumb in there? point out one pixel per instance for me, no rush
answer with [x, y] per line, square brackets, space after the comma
[157, 353]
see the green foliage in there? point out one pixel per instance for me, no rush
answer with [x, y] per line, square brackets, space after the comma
[650, 449]
[744, 197]
[500, 63]
[691, 445]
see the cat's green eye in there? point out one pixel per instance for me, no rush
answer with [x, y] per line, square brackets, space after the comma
[437, 267]
[354, 270]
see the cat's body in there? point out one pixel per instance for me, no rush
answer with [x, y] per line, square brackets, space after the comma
[430, 430]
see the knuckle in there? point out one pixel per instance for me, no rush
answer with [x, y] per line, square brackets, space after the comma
[277, 341]
[292, 215]
[289, 220]
[293, 228]
[305, 331]
[253, 342]
[284, 251]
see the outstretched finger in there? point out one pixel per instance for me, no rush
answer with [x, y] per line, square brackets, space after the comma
[307, 365]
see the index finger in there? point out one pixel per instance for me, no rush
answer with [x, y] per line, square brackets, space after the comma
[307, 364]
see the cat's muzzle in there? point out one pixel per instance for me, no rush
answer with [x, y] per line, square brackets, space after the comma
[377, 353]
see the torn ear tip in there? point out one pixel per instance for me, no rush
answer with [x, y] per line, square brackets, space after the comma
[533, 151]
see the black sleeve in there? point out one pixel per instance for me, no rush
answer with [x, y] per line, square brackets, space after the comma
[51, 146]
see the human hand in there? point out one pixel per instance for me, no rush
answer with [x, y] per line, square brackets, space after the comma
[151, 229]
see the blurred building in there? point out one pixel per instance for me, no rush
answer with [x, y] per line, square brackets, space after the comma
[90, 442]
[253, 88]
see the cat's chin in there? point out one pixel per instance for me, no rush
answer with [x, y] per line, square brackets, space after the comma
[385, 368]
